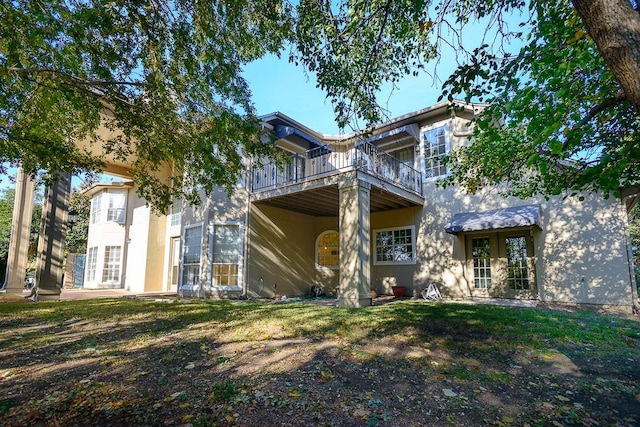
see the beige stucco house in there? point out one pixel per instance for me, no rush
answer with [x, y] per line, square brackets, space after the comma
[357, 213]
[128, 246]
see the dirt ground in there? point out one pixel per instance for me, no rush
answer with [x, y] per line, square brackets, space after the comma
[437, 374]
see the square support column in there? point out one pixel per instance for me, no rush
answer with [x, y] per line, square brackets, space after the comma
[51, 244]
[20, 232]
[355, 230]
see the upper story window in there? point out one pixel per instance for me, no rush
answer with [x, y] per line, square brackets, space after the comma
[175, 215]
[328, 250]
[117, 203]
[96, 208]
[436, 147]
[395, 245]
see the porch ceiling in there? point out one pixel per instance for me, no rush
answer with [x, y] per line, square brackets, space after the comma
[324, 201]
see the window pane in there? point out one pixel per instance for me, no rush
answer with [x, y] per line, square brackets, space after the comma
[481, 254]
[226, 251]
[96, 208]
[111, 269]
[176, 213]
[518, 272]
[191, 256]
[435, 148]
[116, 209]
[328, 250]
[91, 263]
[394, 245]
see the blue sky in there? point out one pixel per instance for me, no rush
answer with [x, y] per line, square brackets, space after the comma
[278, 85]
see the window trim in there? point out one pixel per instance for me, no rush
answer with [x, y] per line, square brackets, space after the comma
[411, 227]
[240, 242]
[96, 209]
[121, 216]
[499, 262]
[183, 247]
[489, 267]
[325, 267]
[524, 281]
[175, 211]
[423, 150]
[109, 266]
[91, 262]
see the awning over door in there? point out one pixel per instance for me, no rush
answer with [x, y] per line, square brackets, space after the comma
[517, 216]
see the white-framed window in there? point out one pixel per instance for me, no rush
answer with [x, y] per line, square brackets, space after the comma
[395, 245]
[226, 255]
[500, 263]
[192, 251]
[175, 214]
[481, 254]
[117, 206]
[328, 250]
[111, 268]
[91, 264]
[96, 208]
[436, 147]
[517, 266]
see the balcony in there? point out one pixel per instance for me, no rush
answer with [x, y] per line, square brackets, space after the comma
[327, 161]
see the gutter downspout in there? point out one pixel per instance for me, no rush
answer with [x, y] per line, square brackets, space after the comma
[627, 242]
[247, 236]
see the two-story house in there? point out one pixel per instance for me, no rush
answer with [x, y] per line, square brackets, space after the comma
[356, 213]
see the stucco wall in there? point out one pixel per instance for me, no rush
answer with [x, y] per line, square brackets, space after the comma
[385, 276]
[146, 236]
[282, 252]
[218, 208]
[580, 253]
[583, 255]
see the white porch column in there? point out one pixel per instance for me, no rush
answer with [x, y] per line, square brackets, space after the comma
[355, 265]
[20, 232]
[49, 269]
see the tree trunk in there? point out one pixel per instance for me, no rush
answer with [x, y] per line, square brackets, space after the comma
[614, 26]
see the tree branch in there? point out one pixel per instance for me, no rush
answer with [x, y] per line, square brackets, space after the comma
[71, 78]
[607, 103]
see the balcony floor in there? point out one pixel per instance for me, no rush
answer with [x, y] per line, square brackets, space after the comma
[321, 197]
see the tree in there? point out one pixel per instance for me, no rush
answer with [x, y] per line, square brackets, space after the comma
[563, 112]
[170, 72]
[78, 231]
[167, 74]
[560, 120]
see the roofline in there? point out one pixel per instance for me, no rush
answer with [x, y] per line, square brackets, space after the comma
[426, 112]
[408, 118]
[99, 186]
[293, 123]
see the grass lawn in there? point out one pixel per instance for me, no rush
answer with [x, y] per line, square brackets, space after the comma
[127, 362]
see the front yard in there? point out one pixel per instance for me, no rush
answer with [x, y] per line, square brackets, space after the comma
[179, 362]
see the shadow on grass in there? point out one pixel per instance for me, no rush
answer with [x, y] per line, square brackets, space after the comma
[135, 362]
